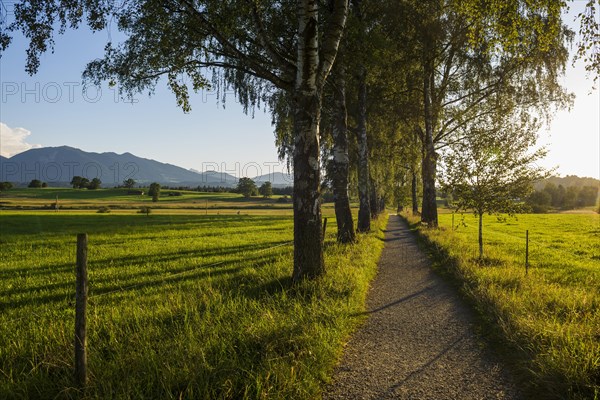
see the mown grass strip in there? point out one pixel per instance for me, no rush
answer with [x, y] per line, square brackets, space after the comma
[232, 326]
[547, 323]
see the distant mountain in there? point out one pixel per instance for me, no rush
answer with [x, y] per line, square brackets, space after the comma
[58, 165]
[277, 179]
[569, 180]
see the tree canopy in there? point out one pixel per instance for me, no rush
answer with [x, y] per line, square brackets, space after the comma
[129, 183]
[266, 189]
[247, 187]
[79, 182]
[94, 184]
[154, 191]
[35, 183]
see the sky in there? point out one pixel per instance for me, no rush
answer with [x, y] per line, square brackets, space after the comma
[52, 109]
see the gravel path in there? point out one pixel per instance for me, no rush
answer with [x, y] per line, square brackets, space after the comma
[418, 342]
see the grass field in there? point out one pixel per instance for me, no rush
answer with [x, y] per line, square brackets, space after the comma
[549, 319]
[26, 198]
[181, 306]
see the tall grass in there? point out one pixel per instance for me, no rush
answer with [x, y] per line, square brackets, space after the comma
[181, 306]
[549, 318]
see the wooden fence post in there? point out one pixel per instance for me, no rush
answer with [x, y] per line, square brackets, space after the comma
[324, 227]
[526, 251]
[81, 295]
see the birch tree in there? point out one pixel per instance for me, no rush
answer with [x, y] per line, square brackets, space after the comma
[340, 163]
[493, 169]
[360, 47]
[588, 47]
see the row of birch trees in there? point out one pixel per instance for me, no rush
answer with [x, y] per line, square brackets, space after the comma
[366, 95]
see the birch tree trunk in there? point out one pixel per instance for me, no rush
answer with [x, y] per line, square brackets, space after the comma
[413, 189]
[308, 248]
[429, 163]
[341, 160]
[364, 211]
[373, 199]
[308, 245]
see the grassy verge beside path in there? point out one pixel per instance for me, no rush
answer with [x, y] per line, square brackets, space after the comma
[181, 306]
[548, 321]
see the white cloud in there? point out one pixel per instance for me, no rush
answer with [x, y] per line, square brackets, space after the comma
[13, 140]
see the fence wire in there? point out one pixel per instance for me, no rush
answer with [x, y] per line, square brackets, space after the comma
[164, 279]
[170, 276]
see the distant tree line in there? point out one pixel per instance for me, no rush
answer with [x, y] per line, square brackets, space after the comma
[36, 183]
[79, 182]
[247, 187]
[203, 188]
[280, 191]
[5, 186]
[559, 197]
[566, 181]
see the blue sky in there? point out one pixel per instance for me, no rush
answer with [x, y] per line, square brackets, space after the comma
[51, 109]
[55, 109]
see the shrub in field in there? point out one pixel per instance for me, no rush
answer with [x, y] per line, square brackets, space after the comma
[129, 183]
[79, 182]
[5, 186]
[35, 183]
[539, 201]
[145, 210]
[94, 184]
[103, 210]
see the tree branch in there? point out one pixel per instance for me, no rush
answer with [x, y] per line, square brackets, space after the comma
[331, 40]
[232, 51]
[285, 62]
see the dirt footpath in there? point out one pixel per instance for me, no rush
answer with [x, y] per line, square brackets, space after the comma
[418, 342]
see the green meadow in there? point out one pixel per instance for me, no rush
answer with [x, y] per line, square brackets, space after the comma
[119, 198]
[118, 201]
[548, 320]
[181, 306]
[195, 299]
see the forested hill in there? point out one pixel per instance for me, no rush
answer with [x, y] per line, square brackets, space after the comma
[58, 165]
[567, 181]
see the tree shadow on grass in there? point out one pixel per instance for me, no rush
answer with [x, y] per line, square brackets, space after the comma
[487, 262]
[131, 283]
[63, 224]
[125, 261]
[270, 289]
[68, 300]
